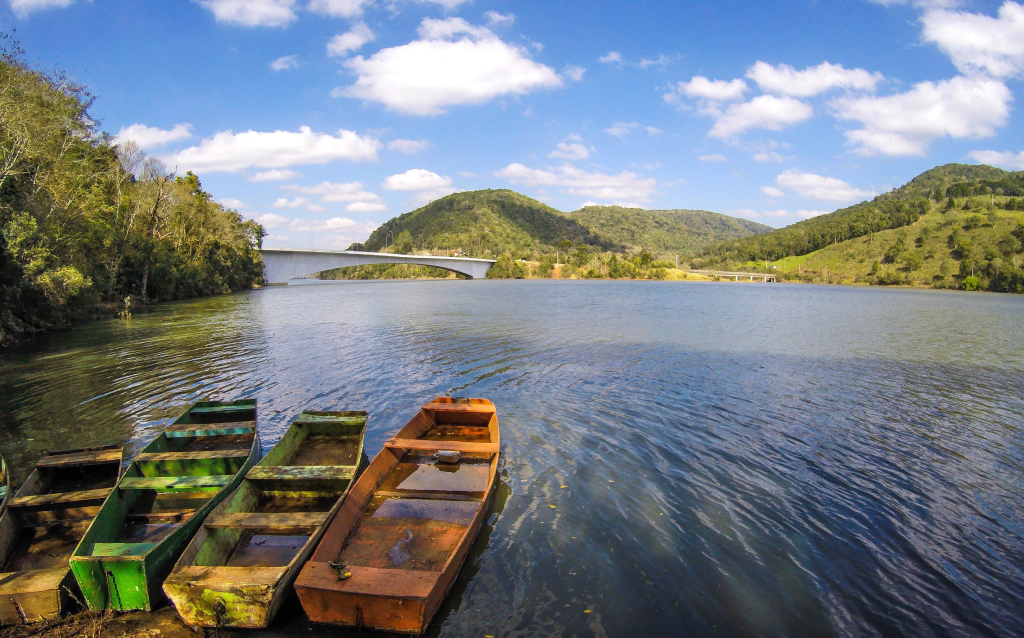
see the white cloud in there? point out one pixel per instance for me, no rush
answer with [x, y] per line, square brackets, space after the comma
[624, 186]
[270, 221]
[274, 175]
[416, 179]
[446, 4]
[365, 207]
[716, 90]
[574, 72]
[283, 202]
[231, 202]
[285, 62]
[1006, 159]
[336, 232]
[661, 60]
[427, 185]
[496, 19]
[769, 156]
[924, 4]
[335, 192]
[621, 129]
[814, 80]
[714, 157]
[906, 123]
[338, 8]
[771, 191]
[764, 111]
[232, 152]
[426, 76]
[351, 40]
[829, 189]
[977, 42]
[570, 151]
[409, 147]
[22, 8]
[652, 131]
[252, 13]
[611, 57]
[150, 136]
[434, 29]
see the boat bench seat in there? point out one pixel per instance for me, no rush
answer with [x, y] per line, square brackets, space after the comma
[59, 498]
[110, 550]
[192, 456]
[175, 482]
[76, 459]
[332, 419]
[370, 581]
[429, 446]
[224, 577]
[209, 429]
[33, 580]
[222, 409]
[278, 472]
[460, 407]
[278, 522]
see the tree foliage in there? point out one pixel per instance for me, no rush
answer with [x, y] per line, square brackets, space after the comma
[84, 221]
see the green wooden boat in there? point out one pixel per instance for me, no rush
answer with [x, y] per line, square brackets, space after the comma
[160, 501]
[42, 525]
[240, 566]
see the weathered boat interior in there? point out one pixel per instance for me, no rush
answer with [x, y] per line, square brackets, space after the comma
[43, 524]
[160, 500]
[265, 531]
[405, 529]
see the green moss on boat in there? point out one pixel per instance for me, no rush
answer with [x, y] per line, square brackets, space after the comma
[160, 501]
[240, 566]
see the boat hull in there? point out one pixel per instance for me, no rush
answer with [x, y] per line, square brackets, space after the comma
[149, 518]
[384, 590]
[304, 469]
[41, 526]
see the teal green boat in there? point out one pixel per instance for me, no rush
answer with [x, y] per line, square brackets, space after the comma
[160, 501]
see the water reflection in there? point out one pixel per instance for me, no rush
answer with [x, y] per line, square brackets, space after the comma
[721, 459]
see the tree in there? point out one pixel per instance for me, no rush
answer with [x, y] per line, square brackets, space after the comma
[580, 256]
[83, 221]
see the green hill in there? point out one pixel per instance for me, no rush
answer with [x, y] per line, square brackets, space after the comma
[488, 223]
[664, 231]
[953, 226]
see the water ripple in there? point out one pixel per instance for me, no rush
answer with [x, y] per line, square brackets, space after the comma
[721, 460]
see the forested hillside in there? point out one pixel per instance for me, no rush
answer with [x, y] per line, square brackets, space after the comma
[955, 226]
[664, 231]
[84, 222]
[489, 223]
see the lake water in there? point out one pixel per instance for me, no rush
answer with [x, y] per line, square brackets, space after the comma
[678, 459]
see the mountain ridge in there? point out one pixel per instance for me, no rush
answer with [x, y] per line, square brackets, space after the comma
[494, 221]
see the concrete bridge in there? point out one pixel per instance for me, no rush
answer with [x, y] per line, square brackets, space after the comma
[283, 264]
[753, 276]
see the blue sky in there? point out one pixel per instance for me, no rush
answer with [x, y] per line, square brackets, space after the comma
[335, 115]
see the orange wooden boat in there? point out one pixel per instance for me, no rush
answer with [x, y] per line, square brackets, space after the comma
[391, 553]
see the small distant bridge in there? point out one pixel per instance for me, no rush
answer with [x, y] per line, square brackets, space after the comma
[284, 264]
[754, 276]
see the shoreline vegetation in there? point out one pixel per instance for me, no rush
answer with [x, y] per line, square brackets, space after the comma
[89, 227]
